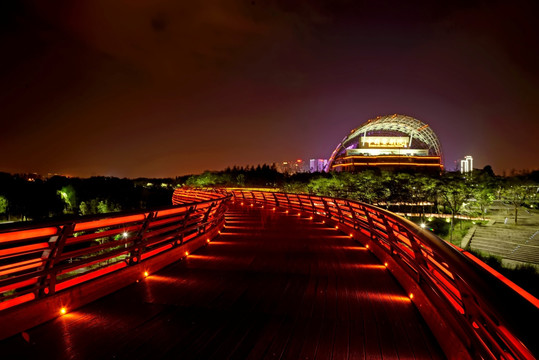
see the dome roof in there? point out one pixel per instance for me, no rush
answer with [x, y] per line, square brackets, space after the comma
[390, 125]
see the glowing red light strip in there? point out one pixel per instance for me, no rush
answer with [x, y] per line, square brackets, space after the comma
[171, 211]
[23, 249]
[16, 301]
[505, 280]
[155, 251]
[23, 265]
[28, 234]
[388, 163]
[18, 285]
[89, 276]
[109, 222]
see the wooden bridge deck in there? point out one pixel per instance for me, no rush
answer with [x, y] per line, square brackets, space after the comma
[271, 286]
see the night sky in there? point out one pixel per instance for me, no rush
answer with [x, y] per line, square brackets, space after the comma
[133, 88]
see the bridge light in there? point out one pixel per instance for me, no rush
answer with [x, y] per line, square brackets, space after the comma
[367, 246]
[187, 253]
[385, 264]
[63, 311]
[311, 218]
[207, 240]
[323, 221]
[411, 296]
[273, 209]
[146, 274]
[241, 204]
[337, 227]
[286, 211]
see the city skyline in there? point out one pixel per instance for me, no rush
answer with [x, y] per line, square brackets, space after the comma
[165, 89]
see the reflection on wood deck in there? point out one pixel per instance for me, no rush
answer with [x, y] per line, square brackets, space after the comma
[271, 286]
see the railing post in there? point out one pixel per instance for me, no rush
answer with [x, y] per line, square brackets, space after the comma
[287, 200]
[341, 218]
[56, 243]
[371, 223]
[205, 218]
[276, 200]
[313, 208]
[420, 259]
[178, 239]
[354, 217]
[326, 208]
[391, 235]
[136, 252]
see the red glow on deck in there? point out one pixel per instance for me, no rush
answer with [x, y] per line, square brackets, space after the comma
[352, 248]
[383, 297]
[364, 266]
[163, 279]
[222, 243]
[203, 257]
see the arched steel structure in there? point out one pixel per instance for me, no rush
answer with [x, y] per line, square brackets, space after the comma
[421, 135]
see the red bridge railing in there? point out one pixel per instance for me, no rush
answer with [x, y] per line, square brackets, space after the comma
[473, 311]
[37, 262]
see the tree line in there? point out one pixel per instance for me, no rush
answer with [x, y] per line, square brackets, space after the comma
[450, 193]
[23, 198]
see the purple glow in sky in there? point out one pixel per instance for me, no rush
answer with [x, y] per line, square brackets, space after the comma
[165, 88]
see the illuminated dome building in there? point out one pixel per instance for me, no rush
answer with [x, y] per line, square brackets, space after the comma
[392, 142]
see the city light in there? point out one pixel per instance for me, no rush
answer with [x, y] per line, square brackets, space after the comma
[63, 310]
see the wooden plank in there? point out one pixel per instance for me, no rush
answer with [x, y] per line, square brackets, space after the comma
[273, 286]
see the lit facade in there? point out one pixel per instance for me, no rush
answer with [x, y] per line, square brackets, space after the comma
[292, 167]
[317, 165]
[392, 142]
[466, 165]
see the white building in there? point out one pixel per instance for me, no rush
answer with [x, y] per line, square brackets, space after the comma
[466, 165]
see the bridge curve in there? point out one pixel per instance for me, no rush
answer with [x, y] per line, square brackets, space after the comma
[459, 298]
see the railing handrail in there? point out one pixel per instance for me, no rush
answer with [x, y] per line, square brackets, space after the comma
[494, 313]
[38, 260]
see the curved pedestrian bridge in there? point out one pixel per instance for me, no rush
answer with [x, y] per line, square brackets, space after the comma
[274, 281]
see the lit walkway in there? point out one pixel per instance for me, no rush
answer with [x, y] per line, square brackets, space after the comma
[272, 286]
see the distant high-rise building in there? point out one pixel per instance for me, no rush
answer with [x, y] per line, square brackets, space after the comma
[292, 167]
[466, 165]
[317, 165]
